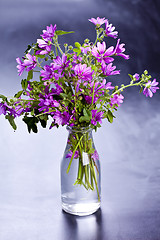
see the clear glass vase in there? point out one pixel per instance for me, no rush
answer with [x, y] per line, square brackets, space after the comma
[80, 173]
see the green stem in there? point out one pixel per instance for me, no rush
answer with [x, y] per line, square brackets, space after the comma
[73, 154]
[129, 85]
[94, 177]
[93, 93]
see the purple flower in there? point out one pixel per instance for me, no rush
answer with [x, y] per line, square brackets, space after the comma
[136, 76]
[69, 155]
[61, 118]
[45, 45]
[19, 110]
[95, 156]
[102, 54]
[61, 63]
[110, 30]
[21, 66]
[89, 99]
[57, 90]
[76, 59]
[119, 49]
[150, 88]
[85, 49]
[49, 72]
[2, 108]
[116, 99]
[49, 33]
[30, 62]
[46, 101]
[109, 69]
[108, 86]
[83, 72]
[97, 21]
[96, 117]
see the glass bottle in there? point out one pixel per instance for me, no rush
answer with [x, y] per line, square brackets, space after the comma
[80, 173]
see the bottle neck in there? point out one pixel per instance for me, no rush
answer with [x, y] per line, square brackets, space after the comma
[79, 130]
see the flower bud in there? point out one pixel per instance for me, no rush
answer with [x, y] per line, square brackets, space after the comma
[70, 47]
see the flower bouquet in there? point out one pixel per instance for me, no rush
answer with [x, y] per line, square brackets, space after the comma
[73, 91]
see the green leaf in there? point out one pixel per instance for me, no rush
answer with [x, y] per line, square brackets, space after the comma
[11, 121]
[17, 95]
[64, 95]
[24, 84]
[28, 49]
[84, 119]
[41, 56]
[87, 116]
[141, 90]
[43, 120]
[61, 32]
[3, 97]
[87, 113]
[30, 76]
[130, 76]
[31, 123]
[110, 116]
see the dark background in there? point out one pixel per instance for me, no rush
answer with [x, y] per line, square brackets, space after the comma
[129, 148]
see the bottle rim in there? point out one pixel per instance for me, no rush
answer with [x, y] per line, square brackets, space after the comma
[79, 129]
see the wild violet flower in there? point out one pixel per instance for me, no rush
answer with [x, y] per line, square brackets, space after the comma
[83, 72]
[20, 66]
[136, 76]
[109, 31]
[49, 33]
[45, 45]
[108, 70]
[2, 109]
[102, 54]
[49, 72]
[30, 62]
[97, 21]
[95, 155]
[76, 154]
[150, 88]
[60, 63]
[61, 118]
[116, 99]
[96, 117]
[119, 50]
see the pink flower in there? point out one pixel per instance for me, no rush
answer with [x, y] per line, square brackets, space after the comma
[136, 76]
[30, 62]
[49, 33]
[20, 67]
[119, 50]
[61, 63]
[109, 69]
[95, 155]
[45, 45]
[97, 21]
[69, 155]
[116, 99]
[96, 117]
[102, 54]
[110, 30]
[150, 88]
[83, 72]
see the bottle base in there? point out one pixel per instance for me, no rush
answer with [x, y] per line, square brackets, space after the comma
[81, 209]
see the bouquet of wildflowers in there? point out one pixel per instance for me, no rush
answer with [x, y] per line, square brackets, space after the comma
[72, 89]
